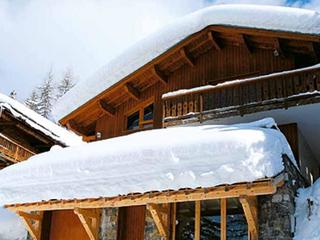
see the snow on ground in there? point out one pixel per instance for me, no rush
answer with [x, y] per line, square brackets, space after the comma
[251, 16]
[38, 122]
[11, 226]
[308, 213]
[173, 158]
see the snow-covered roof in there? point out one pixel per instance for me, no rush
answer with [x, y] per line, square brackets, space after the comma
[250, 16]
[38, 122]
[181, 157]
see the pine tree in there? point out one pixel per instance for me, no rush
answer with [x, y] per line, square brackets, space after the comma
[33, 101]
[65, 84]
[46, 95]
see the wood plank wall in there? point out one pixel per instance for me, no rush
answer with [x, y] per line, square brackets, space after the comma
[214, 66]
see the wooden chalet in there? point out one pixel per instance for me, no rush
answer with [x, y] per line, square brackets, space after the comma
[22, 135]
[220, 73]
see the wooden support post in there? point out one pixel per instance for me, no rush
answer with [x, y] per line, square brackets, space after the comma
[107, 108]
[159, 75]
[33, 223]
[249, 205]
[214, 41]
[278, 49]
[223, 209]
[197, 222]
[90, 219]
[173, 221]
[132, 91]
[187, 57]
[157, 215]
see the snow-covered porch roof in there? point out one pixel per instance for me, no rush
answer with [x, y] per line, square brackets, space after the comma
[156, 160]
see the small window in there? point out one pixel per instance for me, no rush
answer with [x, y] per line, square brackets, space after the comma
[133, 121]
[142, 118]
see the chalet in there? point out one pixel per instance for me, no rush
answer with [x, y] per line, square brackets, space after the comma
[223, 173]
[24, 133]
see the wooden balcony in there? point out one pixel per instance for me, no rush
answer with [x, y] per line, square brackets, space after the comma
[239, 97]
[12, 152]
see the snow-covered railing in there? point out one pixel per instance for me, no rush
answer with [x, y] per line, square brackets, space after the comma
[257, 91]
[13, 152]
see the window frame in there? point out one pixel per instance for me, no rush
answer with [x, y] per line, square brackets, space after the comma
[140, 108]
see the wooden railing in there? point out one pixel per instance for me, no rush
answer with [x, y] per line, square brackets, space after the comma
[284, 88]
[13, 152]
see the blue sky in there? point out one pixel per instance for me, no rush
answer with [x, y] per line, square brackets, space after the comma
[37, 35]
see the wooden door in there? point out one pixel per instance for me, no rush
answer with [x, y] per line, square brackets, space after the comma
[65, 225]
[131, 222]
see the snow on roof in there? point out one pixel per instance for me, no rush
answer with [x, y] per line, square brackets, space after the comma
[251, 16]
[181, 157]
[38, 122]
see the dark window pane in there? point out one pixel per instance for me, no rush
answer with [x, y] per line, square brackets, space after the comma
[148, 112]
[210, 220]
[237, 228]
[133, 121]
[185, 221]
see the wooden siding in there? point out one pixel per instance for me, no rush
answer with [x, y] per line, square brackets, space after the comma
[213, 66]
[131, 222]
[65, 225]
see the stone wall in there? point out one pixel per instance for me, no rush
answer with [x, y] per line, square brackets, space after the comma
[108, 227]
[276, 212]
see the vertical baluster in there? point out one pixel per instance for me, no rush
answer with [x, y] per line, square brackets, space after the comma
[279, 86]
[265, 86]
[179, 111]
[317, 80]
[259, 91]
[311, 83]
[174, 108]
[185, 105]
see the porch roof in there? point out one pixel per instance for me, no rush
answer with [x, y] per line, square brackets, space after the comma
[157, 160]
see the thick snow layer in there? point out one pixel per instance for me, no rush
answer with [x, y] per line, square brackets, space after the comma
[250, 16]
[308, 213]
[236, 81]
[38, 122]
[11, 226]
[173, 158]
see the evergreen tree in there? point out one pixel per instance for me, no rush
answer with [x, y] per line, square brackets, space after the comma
[46, 95]
[33, 101]
[65, 84]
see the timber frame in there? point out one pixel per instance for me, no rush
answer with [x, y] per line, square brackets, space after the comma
[215, 38]
[162, 207]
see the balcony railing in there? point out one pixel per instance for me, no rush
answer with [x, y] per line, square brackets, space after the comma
[290, 88]
[11, 151]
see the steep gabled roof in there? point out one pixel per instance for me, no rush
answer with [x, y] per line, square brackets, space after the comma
[271, 18]
[37, 122]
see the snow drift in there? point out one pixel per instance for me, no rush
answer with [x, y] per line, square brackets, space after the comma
[274, 18]
[308, 213]
[173, 158]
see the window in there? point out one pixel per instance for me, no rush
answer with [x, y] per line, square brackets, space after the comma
[210, 220]
[141, 118]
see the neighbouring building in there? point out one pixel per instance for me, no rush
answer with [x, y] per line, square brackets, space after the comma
[24, 133]
[199, 174]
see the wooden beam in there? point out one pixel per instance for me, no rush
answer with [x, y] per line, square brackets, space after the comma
[244, 39]
[223, 217]
[90, 219]
[253, 189]
[174, 221]
[5, 123]
[158, 220]
[187, 57]
[214, 41]
[159, 75]
[107, 108]
[278, 48]
[197, 221]
[32, 223]
[132, 91]
[74, 126]
[249, 205]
